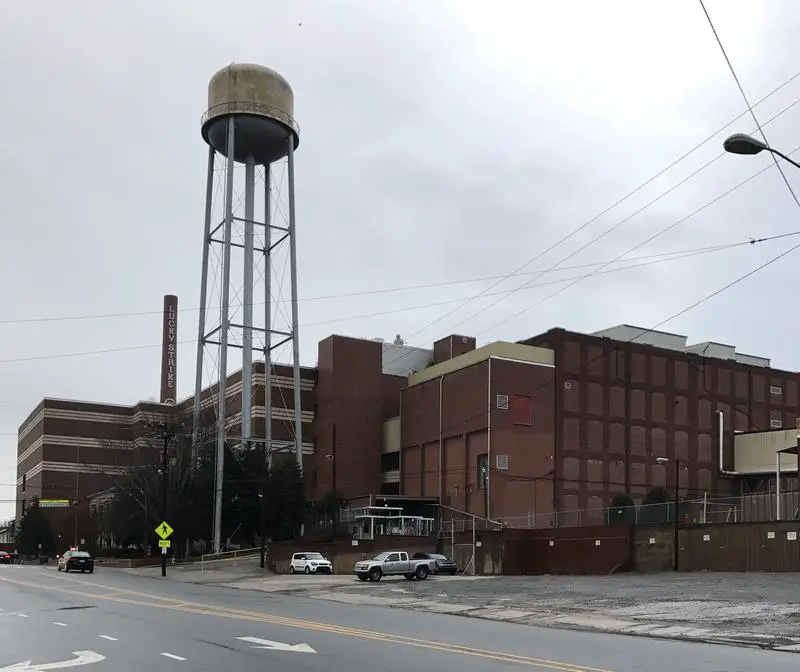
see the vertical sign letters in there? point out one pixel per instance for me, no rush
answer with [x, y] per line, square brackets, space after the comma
[169, 351]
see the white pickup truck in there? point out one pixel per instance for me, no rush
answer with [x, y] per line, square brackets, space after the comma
[391, 563]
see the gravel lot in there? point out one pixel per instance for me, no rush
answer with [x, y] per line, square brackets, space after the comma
[754, 605]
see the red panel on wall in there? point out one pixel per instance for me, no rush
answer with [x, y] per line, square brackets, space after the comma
[521, 410]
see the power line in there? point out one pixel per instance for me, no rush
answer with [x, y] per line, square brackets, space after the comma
[637, 212]
[687, 254]
[580, 228]
[378, 291]
[658, 234]
[747, 102]
[603, 234]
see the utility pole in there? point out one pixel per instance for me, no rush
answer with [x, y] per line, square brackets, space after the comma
[336, 502]
[164, 482]
[262, 505]
[168, 434]
[675, 548]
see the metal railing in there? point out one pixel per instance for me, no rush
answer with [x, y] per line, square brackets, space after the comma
[228, 556]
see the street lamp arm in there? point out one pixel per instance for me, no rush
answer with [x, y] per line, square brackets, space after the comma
[783, 156]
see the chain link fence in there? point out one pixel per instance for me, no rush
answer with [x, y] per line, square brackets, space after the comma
[754, 508]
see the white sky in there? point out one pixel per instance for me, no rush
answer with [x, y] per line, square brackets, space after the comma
[441, 141]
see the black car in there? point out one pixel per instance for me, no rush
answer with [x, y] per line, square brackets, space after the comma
[80, 561]
[444, 565]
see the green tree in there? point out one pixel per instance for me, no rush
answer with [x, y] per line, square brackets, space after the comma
[656, 506]
[34, 529]
[621, 510]
[284, 501]
[329, 503]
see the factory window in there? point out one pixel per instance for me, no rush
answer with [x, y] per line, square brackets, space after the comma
[502, 402]
[390, 461]
[24, 481]
[521, 410]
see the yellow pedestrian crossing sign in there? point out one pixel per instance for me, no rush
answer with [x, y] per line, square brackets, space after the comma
[164, 530]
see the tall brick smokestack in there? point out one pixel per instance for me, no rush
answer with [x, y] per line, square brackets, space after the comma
[169, 351]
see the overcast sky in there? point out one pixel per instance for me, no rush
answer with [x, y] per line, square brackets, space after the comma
[441, 142]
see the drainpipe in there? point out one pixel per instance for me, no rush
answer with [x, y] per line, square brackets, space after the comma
[488, 511]
[441, 438]
[721, 441]
[777, 485]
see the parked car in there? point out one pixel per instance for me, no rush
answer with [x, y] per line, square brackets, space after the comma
[392, 563]
[444, 565]
[76, 561]
[5, 558]
[310, 563]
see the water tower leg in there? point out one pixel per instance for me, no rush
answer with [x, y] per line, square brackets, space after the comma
[223, 340]
[267, 316]
[298, 425]
[247, 299]
[201, 327]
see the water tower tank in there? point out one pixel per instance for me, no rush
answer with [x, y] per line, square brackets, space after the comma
[262, 103]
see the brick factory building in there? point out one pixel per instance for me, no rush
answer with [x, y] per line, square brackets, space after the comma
[538, 430]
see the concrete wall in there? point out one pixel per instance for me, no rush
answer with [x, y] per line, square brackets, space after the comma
[742, 547]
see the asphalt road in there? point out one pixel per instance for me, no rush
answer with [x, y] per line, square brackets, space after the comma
[114, 620]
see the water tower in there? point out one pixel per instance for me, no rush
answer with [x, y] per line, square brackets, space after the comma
[250, 130]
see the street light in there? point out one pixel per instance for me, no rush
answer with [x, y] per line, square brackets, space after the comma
[675, 548]
[741, 143]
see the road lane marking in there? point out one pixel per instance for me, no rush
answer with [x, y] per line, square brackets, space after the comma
[22, 615]
[83, 658]
[173, 656]
[60, 624]
[108, 637]
[176, 604]
[276, 646]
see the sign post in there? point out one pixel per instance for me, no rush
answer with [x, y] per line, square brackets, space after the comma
[164, 531]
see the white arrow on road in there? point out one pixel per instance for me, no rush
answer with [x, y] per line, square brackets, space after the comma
[83, 658]
[275, 646]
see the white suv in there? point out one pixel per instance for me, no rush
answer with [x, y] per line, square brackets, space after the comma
[310, 563]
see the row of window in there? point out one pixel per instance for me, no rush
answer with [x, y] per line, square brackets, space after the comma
[644, 441]
[661, 372]
[595, 399]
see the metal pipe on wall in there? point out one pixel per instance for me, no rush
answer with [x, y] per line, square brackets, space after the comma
[441, 440]
[488, 511]
[777, 485]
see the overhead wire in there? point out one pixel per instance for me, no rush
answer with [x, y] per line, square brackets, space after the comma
[599, 215]
[619, 257]
[401, 355]
[686, 254]
[637, 212]
[747, 102]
